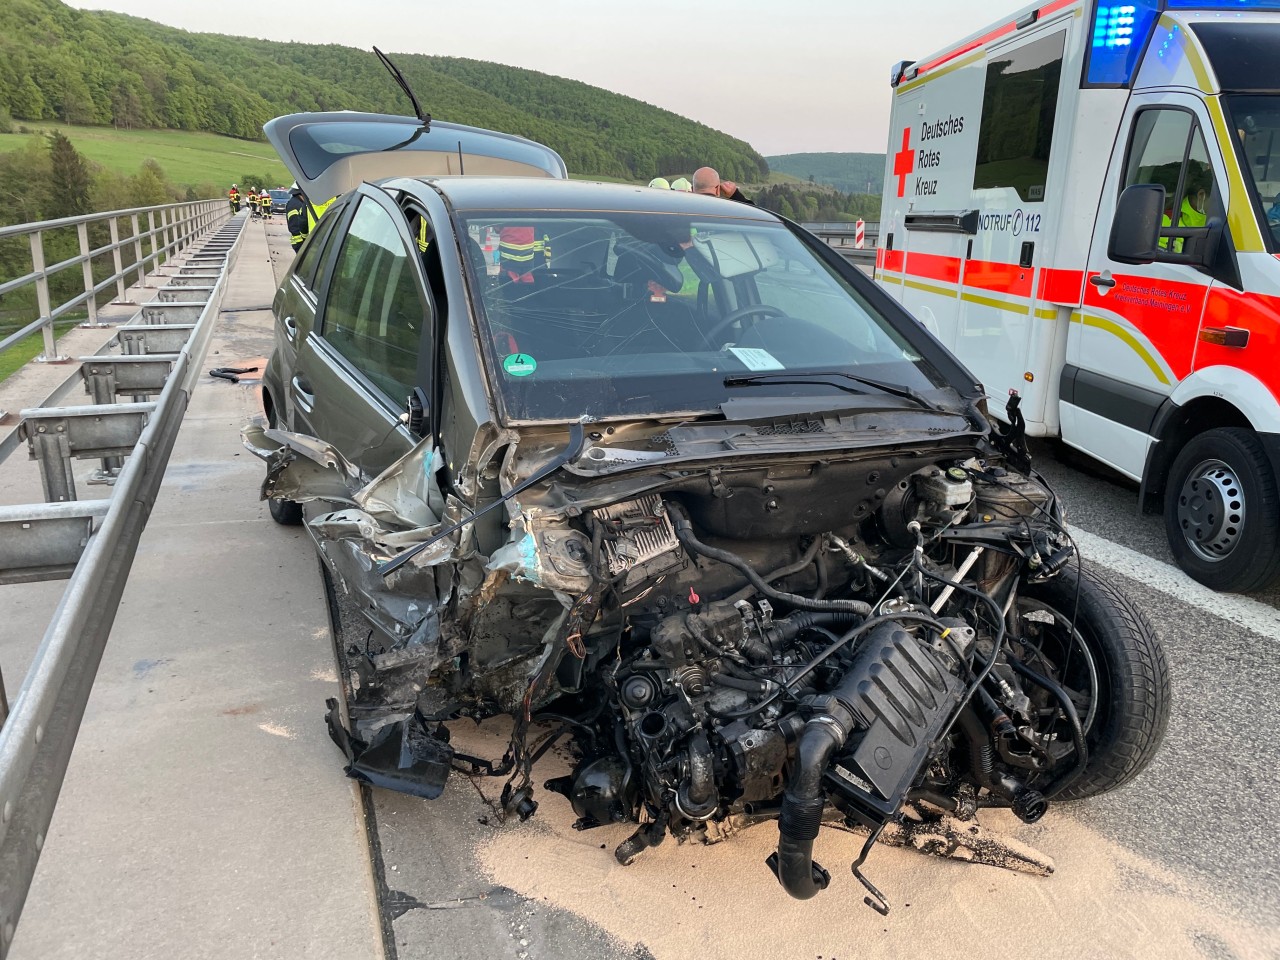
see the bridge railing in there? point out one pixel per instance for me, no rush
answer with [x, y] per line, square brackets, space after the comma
[155, 235]
[139, 386]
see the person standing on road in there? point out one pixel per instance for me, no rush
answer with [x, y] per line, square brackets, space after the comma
[706, 181]
[265, 200]
[234, 196]
[295, 216]
[681, 186]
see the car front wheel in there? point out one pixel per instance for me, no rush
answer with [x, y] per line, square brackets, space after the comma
[284, 512]
[1222, 511]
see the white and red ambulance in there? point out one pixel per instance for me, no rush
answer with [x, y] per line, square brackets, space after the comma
[1081, 202]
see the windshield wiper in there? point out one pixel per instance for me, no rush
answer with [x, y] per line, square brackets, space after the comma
[827, 377]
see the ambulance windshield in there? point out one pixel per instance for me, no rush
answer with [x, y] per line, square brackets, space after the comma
[1256, 120]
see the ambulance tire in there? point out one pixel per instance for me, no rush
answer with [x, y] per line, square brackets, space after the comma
[1222, 511]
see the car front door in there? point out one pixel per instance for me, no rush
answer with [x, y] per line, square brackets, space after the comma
[372, 345]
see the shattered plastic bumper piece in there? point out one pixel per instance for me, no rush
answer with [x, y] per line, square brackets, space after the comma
[403, 755]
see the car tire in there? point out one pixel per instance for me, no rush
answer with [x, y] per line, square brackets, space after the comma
[1133, 690]
[1222, 511]
[287, 513]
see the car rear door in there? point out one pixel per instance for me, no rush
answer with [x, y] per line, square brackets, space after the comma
[371, 346]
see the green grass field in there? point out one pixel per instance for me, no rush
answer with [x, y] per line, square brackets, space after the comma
[187, 158]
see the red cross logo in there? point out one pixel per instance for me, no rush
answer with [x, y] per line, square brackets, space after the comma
[904, 162]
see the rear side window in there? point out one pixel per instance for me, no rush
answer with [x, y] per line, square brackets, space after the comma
[1018, 110]
[312, 254]
[375, 312]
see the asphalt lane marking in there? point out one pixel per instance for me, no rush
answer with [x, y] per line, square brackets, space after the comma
[1261, 618]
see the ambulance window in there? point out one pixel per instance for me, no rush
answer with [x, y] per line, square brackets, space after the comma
[1018, 110]
[1167, 148]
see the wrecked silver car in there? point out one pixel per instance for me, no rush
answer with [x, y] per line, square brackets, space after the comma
[664, 472]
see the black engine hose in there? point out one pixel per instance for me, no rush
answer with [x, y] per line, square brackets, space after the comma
[806, 558]
[738, 683]
[982, 758]
[802, 807]
[1073, 718]
[689, 540]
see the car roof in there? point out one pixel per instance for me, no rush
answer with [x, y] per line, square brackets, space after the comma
[533, 194]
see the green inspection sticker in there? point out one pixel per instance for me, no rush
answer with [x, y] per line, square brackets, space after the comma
[519, 365]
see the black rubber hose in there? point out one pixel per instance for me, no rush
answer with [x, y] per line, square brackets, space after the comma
[1073, 718]
[801, 815]
[690, 541]
[736, 683]
[804, 561]
[982, 757]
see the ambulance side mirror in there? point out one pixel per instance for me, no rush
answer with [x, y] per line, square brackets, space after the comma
[1135, 232]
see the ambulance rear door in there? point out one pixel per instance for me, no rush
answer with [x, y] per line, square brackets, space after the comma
[1136, 334]
[928, 215]
[1005, 336]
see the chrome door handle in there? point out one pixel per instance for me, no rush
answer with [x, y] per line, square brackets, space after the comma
[303, 393]
[290, 328]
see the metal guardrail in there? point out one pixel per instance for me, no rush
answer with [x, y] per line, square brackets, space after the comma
[58, 539]
[840, 237]
[178, 225]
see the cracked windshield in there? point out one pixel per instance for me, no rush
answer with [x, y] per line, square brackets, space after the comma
[635, 314]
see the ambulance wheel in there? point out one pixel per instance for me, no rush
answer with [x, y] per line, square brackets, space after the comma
[1222, 511]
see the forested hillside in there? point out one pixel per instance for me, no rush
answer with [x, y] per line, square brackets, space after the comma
[848, 172]
[90, 67]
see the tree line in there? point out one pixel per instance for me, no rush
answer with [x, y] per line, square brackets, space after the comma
[89, 67]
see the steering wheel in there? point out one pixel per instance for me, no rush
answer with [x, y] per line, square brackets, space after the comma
[751, 309]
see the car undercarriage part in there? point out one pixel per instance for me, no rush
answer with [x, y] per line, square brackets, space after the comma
[879, 634]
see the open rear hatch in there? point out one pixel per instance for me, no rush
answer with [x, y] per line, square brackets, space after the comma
[331, 153]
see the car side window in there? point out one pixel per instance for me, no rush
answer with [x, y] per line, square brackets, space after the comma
[375, 312]
[311, 255]
[1168, 148]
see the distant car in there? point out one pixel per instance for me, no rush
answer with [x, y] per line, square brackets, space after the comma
[665, 472]
[279, 198]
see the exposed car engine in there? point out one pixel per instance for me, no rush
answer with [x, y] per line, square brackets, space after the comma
[731, 645]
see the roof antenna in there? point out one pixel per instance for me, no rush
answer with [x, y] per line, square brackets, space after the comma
[404, 85]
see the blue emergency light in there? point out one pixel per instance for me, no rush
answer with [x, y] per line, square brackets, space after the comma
[1121, 32]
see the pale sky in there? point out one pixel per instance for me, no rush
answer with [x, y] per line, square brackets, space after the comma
[787, 76]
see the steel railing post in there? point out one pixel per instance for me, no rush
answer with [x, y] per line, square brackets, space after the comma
[137, 251]
[86, 265]
[116, 260]
[151, 235]
[43, 304]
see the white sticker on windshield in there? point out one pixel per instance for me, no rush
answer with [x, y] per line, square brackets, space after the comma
[753, 358]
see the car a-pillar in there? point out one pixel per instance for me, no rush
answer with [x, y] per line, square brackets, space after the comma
[1214, 480]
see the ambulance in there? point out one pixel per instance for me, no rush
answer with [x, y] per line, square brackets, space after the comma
[1082, 203]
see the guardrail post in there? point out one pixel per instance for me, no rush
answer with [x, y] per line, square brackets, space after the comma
[86, 265]
[137, 252]
[151, 234]
[43, 304]
[117, 261]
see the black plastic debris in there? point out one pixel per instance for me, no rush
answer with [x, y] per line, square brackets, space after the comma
[231, 373]
[403, 755]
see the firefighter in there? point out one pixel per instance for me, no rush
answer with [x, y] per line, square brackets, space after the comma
[682, 185]
[265, 199]
[234, 196]
[316, 211]
[659, 183]
[251, 201]
[295, 216]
